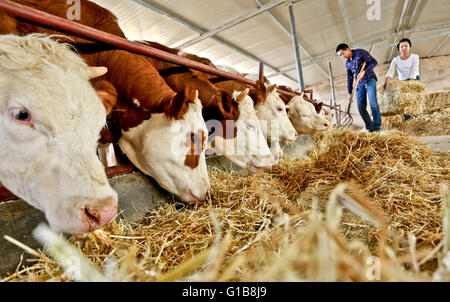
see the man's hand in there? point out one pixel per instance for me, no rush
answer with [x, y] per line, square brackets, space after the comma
[361, 75]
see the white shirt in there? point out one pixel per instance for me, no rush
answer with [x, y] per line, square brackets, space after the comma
[406, 69]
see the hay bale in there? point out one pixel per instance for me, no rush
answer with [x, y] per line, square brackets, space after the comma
[436, 101]
[401, 97]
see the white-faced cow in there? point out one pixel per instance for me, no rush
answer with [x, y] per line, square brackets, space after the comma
[50, 121]
[304, 117]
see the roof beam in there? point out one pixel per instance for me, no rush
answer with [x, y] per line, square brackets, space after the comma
[346, 20]
[188, 24]
[438, 46]
[231, 23]
[291, 67]
[400, 23]
[288, 34]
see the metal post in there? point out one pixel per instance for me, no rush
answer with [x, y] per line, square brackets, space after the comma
[333, 94]
[301, 85]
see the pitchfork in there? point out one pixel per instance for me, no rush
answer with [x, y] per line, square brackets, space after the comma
[348, 119]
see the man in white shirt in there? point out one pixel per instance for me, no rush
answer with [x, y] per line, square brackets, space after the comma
[406, 64]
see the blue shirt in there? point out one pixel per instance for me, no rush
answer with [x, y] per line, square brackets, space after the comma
[359, 56]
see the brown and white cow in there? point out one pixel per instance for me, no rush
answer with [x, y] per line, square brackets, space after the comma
[304, 116]
[50, 120]
[138, 85]
[225, 116]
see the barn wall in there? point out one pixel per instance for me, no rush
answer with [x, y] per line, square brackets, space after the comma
[434, 72]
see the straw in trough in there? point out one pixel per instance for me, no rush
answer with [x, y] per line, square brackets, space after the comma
[288, 224]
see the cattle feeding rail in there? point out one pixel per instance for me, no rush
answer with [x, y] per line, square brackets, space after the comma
[70, 27]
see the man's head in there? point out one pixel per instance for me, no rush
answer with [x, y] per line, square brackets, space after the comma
[344, 51]
[404, 45]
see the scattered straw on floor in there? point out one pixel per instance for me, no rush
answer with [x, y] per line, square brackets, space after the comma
[285, 225]
[436, 123]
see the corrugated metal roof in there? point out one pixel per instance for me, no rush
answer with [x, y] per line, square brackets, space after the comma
[320, 26]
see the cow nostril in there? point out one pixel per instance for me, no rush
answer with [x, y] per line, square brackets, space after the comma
[92, 217]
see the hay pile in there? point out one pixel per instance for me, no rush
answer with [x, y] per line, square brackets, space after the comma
[285, 225]
[401, 97]
[436, 123]
[436, 101]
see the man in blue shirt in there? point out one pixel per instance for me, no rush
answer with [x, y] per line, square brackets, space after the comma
[367, 85]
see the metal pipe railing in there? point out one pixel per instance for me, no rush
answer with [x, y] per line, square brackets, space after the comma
[57, 23]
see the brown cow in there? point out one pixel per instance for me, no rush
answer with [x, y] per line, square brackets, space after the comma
[144, 100]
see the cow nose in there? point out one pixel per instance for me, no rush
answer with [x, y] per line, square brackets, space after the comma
[326, 125]
[99, 215]
[296, 135]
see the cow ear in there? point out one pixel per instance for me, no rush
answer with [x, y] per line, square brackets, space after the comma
[106, 92]
[226, 105]
[191, 94]
[95, 72]
[179, 105]
[242, 95]
[318, 106]
[272, 88]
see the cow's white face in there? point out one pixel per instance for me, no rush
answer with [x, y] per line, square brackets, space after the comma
[275, 123]
[172, 152]
[50, 121]
[248, 149]
[328, 114]
[304, 117]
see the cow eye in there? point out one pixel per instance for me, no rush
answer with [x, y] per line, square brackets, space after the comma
[250, 126]
[21, 115]
[279, 109]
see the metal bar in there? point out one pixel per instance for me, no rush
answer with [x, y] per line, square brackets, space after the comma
[346, 20]
[400, 23]
[438, 46]
[54, 22]
[413, 14]
[186, 23]
[261, 72]
[287, 33]
[231, 23]
[298, 61]
[333, 94]
[289, 68]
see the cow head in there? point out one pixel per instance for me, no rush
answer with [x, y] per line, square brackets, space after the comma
[170, 147]
[50, 120]
[248, 148]
[304, 117]
[274, 121]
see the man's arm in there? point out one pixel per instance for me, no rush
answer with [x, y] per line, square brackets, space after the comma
[371, 62]
[390, 73]
[415, 68]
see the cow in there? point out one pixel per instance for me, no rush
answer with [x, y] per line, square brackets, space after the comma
[50, 120]
[224, 115]
[140, 89]
[271, 113]
[304, 116]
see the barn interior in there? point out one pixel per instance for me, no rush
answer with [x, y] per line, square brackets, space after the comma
[336, 199]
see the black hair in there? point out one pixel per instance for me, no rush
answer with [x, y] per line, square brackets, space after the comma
[342, 46]
[404, 40]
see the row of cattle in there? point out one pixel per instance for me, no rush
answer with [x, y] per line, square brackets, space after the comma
[55, 103]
